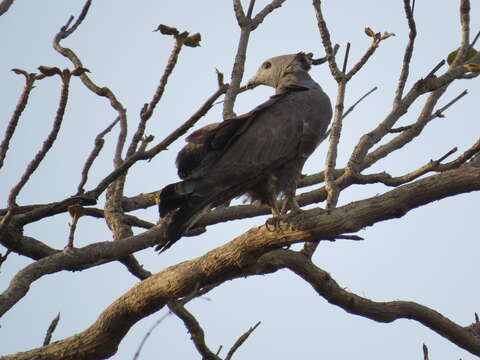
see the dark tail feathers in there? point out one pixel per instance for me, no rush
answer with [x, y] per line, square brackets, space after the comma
[181, 221]
[171, 199]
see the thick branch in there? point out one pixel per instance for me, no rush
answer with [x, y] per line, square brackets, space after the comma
[232, 260]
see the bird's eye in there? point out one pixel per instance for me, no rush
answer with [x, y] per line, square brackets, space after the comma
[267, 65]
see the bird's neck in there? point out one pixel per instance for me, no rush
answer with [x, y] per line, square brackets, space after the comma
[297, 78]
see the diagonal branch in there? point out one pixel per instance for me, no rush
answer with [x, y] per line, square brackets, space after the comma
[241, 340]
[4, 6]
[328, 288]
[22, 103]
[196, 332]
[262, 14]
[47, 144]
[99, 142]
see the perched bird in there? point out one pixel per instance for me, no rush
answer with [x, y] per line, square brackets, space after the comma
[260, 154]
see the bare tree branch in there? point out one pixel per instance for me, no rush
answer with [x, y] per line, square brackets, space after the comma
[149, 332]
[327, 44]
[351, 108]
[247, 25]
[327, 287]
[196, 332]
[407, 56]
[229, 261]
[51, 329]
[241, 340]
[93, 155]
[331, 159]
[47, 144]
[4, 6]
[22, 103]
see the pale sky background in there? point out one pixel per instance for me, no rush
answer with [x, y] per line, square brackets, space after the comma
[430, 256]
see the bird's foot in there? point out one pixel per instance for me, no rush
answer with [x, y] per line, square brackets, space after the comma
[276, 223]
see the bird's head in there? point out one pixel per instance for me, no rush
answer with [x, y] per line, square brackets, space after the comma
[274, 71]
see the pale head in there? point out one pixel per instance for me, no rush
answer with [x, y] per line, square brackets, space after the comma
[273, 70]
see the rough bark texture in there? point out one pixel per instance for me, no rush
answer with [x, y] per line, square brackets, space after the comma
[239, 258]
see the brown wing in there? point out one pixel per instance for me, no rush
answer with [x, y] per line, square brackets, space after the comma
[192, 154]
[205, 144]
[261, 144]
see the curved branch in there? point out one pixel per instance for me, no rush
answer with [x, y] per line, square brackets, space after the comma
[328, 288]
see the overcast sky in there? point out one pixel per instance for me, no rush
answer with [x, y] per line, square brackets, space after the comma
[430, 256]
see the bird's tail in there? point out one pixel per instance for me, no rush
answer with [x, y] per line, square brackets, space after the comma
[181, 196]
[180, 221]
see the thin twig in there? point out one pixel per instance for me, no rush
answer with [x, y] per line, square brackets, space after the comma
[241, 340]
[351, 108]
[262, 14]
[425, 352]
[65, 31]
[250, 9]
[387, 179]
[247, 25]
[376, 39]
[181, 130]
[345, 237]
[439, 112]
[147, 111]
[324, 59]
[327, 44]
[474, 41]
[148, 333]
[51, 329]
[22, 103]
[131, 160]
[467, 155]
[47, 144]
[196, 332]
[345, 59]
[435, 69]
[99, 142]
[407, 57]
[400, 129]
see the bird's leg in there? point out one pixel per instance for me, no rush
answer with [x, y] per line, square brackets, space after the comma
[273, 223]
[290, 203]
